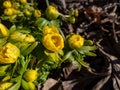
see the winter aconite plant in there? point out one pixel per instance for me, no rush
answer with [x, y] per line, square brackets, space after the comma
[32, 44]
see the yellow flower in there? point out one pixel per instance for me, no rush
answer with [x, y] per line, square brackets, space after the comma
[53, 42]
[5, 85]
[50, 30]
[27, 12]
[30, 75]
[7, 4]
[51, 12]
[76, 41]
[9, 11]
[23, 2]
[37, 13]
[9, 54]
[3, 31]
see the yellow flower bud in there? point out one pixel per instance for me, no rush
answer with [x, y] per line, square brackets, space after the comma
[76, 41]
[23, 2]
[88, 42]
[50, 30]
[28, 13]
[29, 39]
[5, 85]
[37, 13]
[3, 31]
[9, 53]
[76, 12]
[51, 12]
[7, 4]
[16, 11]
[72, 19]
[30, 75]
[9, 11]
[53, 42]
[31, 86]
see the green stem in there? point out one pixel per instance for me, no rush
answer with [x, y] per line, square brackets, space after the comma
[47, 2]
[63, 16]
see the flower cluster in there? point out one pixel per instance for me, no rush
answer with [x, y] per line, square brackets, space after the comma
[31, 46]
[14, 10]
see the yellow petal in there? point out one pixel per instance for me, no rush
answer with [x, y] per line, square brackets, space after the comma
[3, 31]
[53, 42]
[50, 30]
[76, 41]
[9, 54]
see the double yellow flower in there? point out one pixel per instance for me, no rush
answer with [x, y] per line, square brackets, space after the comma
[75, 41]
[9, 53]
[52, 40]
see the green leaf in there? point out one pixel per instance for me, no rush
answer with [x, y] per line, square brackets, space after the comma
[5, 17]
[17, 79]
[14, 68]
[67, 55]
[55, 22]
[23, 46]
[41, 22]
[90, 54]
[43, 76]
[22, 60]
[4, 67]
[80, 59]
[81, 62]
[3, 41]
[12, 29]
[2, 73]
[16, 86]
[25, 85]
[86, 49]
[30, 48]
[26, 62]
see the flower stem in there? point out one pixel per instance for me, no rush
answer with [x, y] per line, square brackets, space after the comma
[47, 2]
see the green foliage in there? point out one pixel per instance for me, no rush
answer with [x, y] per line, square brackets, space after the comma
[26, 33]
